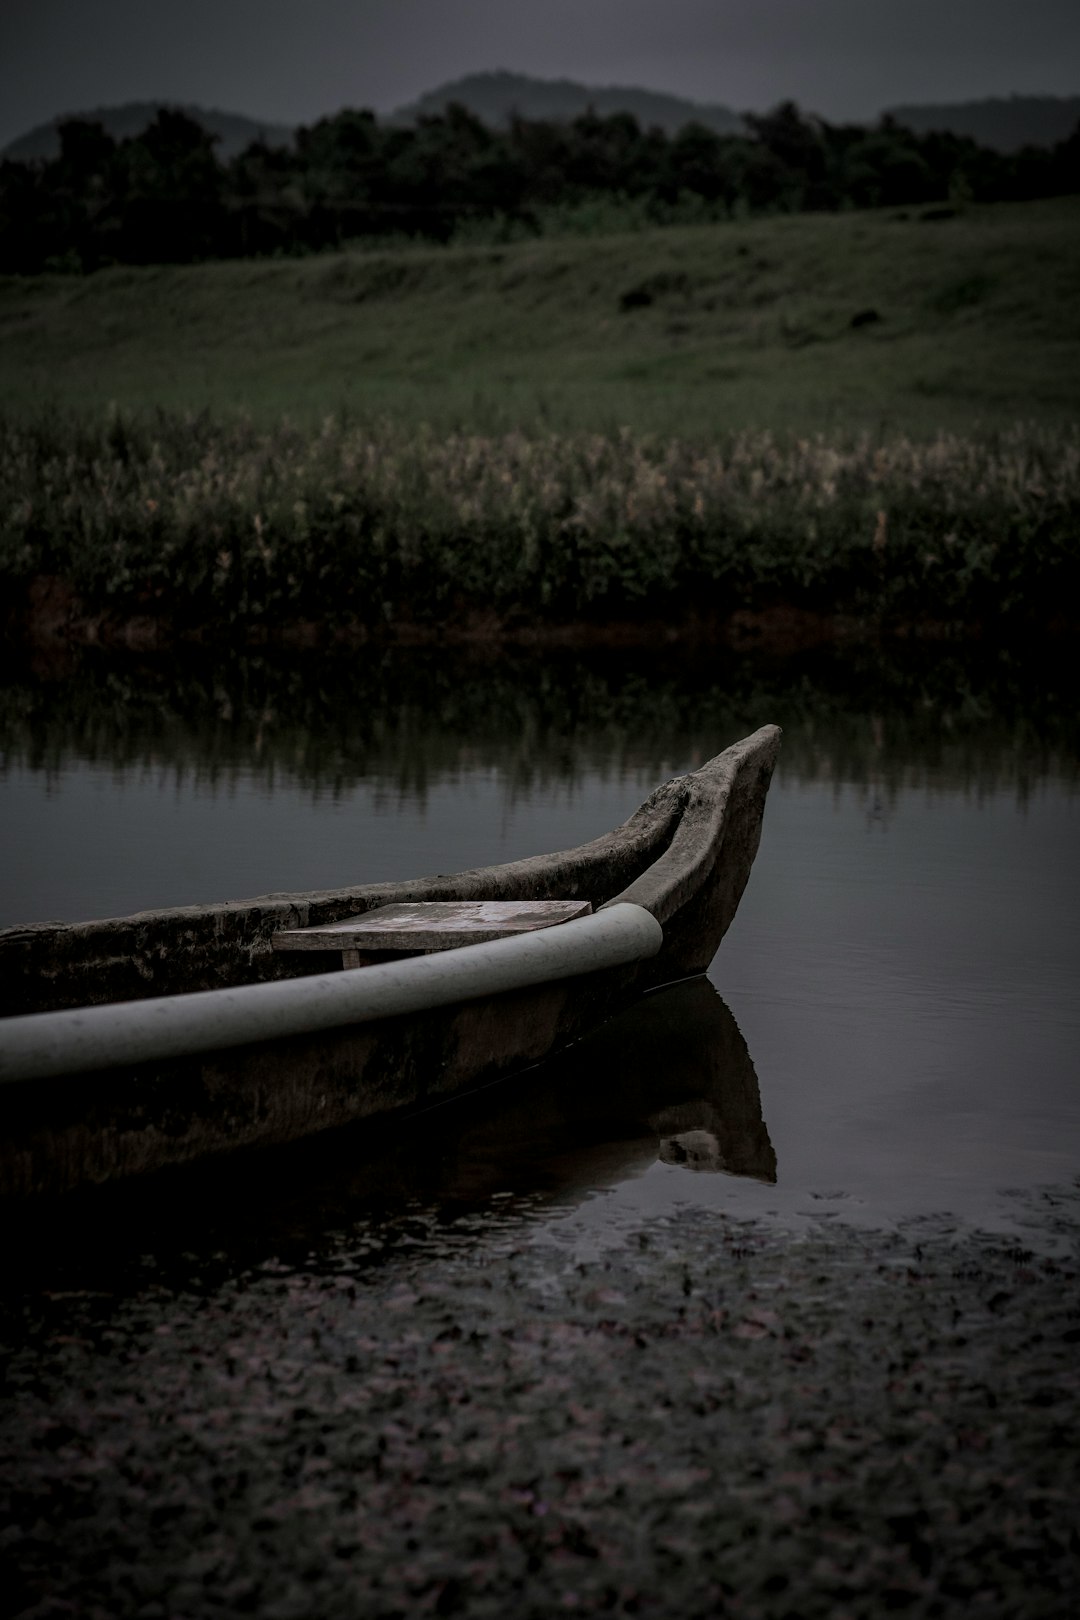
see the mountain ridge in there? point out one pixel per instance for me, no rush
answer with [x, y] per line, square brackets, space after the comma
[497, 97]
[234, 131]
[1003, 123]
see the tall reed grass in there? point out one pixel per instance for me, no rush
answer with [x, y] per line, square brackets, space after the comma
[211, 523]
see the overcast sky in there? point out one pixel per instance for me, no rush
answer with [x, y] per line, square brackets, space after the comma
[291, 61]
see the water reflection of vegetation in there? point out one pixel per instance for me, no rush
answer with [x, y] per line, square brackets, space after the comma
[403, 721]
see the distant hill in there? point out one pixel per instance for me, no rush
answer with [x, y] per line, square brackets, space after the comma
[233, 130]
[496, 97]
[1004, 123]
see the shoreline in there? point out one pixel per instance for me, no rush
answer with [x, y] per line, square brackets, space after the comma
[717, 1417]
[53, 617]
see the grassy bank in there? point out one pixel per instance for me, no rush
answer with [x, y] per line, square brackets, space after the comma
[843, 324]
[195, 526]
[870, 415]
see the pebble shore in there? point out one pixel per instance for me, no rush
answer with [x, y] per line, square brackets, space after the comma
[713, 1417]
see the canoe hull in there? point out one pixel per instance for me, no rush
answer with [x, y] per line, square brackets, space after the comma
[685, 856]
[123, 1122]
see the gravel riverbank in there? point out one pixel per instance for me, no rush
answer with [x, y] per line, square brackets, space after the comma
[713, 1417]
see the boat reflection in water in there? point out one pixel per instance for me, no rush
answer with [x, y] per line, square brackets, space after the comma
[669, 1079]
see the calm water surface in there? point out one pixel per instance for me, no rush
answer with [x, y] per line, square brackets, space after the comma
[894, 1025]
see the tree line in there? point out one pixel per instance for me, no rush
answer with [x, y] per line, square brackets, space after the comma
[165, 196]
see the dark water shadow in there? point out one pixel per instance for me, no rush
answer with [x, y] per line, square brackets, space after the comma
[669, 1079]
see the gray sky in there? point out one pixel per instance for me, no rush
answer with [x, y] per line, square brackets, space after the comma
[291, 61]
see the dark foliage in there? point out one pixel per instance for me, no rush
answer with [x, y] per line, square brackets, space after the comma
[165, 196]
[215, 526]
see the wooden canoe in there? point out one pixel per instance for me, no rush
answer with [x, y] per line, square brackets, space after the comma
[681, 861]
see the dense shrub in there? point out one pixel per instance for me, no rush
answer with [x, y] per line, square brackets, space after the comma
[164, 197]
[210, 524]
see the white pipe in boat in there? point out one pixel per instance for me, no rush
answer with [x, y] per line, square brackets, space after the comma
[38, 1045]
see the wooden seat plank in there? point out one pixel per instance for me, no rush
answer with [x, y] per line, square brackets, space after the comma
[431, 925]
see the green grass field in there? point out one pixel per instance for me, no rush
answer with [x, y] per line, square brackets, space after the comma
[742, 325]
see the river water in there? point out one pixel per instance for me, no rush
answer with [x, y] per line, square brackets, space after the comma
[891, 1028]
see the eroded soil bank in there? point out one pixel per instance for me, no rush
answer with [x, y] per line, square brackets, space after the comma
[713, 1418]
[51, 617]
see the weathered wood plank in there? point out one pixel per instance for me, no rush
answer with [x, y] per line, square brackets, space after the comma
[433, 925]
